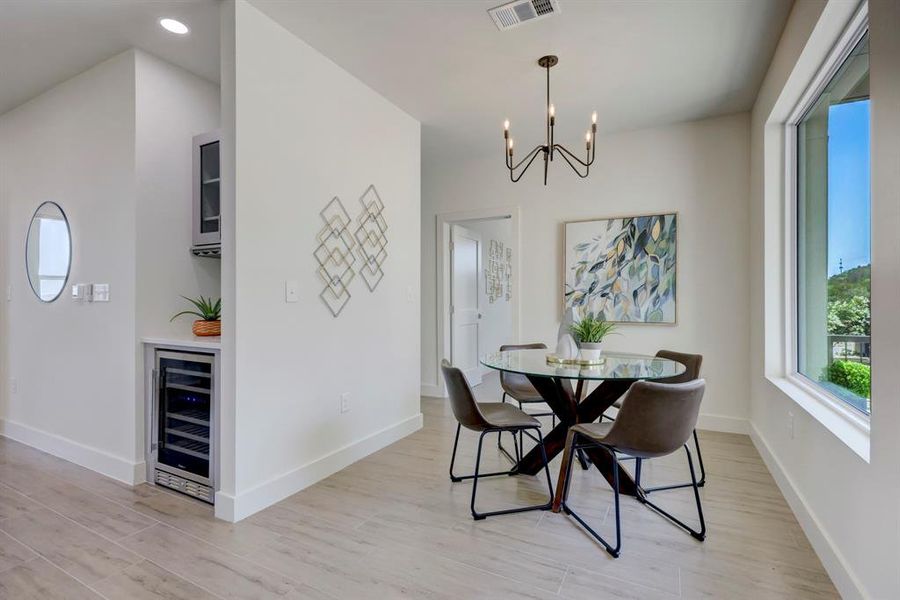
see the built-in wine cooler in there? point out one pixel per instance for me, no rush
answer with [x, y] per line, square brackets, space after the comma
[182, 423]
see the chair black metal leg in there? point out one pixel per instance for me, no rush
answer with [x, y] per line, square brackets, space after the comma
[479, 516]
[516, 443]
[518, 451]
[546, 464]
[513, 459]
[677, 486]
[612, 550]
[475, 515]
[500, 437]
[568, 478]
[702, 481]
[453, 456]
[638, 463]
[701, 534]
[583, 460]
[458, 478]
[521, 437]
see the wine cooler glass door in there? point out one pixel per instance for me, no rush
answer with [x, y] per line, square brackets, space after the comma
[183, 427]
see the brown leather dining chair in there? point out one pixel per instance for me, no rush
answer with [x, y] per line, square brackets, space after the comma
[485, 418]
[656, 419]
[517, 387]
[692, 363]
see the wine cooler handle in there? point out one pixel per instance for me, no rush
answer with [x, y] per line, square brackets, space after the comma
[154, 414]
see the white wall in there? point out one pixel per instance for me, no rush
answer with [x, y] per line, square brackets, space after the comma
[75, 145]
[113, 147]
[699, 169]
[307, 131]
[849, 508]
[496, 325]
[172, 106]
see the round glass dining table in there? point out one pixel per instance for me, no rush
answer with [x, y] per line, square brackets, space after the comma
[615, 373]
[612, 365]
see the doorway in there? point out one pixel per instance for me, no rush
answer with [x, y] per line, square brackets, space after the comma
[479, 295]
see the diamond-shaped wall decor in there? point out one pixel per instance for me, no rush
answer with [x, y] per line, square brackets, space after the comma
[335, 256]
[371, 239]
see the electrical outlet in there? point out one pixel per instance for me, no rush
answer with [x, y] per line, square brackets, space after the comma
[13, 385]
[100, 292]
[345, 402]
[291, 291]
[410, 294]
[790, 424]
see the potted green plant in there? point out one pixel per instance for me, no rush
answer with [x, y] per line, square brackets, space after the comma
[589, 333]
[209, 312]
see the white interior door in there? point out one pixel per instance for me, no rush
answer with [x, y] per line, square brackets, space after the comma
[465, 314]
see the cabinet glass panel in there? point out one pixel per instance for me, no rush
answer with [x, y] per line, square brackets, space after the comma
[185, 394]
[209, 188]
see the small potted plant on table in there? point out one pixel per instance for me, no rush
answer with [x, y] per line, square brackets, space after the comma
[589, 333]
[209, 312]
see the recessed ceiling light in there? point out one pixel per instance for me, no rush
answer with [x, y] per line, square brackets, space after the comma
[174, 26]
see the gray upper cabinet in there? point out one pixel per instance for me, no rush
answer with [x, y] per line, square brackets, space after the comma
[207, 225]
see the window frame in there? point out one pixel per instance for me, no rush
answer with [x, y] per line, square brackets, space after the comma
[849, 424]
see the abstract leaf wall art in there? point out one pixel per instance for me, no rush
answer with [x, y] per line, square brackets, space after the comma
[623, 269]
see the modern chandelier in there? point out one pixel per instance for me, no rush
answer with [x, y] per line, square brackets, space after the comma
[550, 149]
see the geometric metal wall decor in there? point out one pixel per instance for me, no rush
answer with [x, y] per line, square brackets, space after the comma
[508, 273]
[370, 235]
[339, 248]
[335, 256]
[497, 272]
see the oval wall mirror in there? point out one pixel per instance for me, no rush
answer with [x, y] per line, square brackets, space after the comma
[48, 252]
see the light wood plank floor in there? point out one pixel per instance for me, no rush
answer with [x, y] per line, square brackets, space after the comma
[393, 526]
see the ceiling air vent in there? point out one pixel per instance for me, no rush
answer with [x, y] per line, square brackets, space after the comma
[513, 14]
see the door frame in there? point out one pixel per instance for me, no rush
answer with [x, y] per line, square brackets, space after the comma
[443, 223]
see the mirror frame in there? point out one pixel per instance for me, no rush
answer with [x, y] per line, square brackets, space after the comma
[28, 238]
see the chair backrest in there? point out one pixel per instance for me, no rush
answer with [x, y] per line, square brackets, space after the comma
[462, 402]
[656, 418]
[691, 361]
[515, 382]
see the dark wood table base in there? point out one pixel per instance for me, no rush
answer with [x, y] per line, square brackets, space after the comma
[565, 403]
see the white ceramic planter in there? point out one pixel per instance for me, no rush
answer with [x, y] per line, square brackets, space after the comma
[590, 352]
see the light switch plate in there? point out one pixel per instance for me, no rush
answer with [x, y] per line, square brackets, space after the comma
[81, 292]
[100, 292]
[291, 291]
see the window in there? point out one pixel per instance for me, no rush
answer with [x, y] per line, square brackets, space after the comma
[53, 256]
[833, 235]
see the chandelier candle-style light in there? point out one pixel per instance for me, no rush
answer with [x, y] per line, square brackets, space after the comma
[550, 149]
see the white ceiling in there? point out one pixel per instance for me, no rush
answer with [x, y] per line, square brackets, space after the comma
[638, 63]
[44, 42]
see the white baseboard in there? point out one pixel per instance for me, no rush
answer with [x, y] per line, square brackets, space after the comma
[844, 580]
[431, 390]
[723, 424]
[88, 457]
[225, 507]
[244, 504]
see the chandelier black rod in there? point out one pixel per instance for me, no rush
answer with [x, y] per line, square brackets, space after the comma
[550, 147]
[563, 153]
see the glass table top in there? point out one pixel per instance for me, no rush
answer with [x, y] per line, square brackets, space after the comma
[613, 365]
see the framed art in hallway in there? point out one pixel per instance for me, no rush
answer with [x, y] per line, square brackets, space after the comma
[624, 269]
